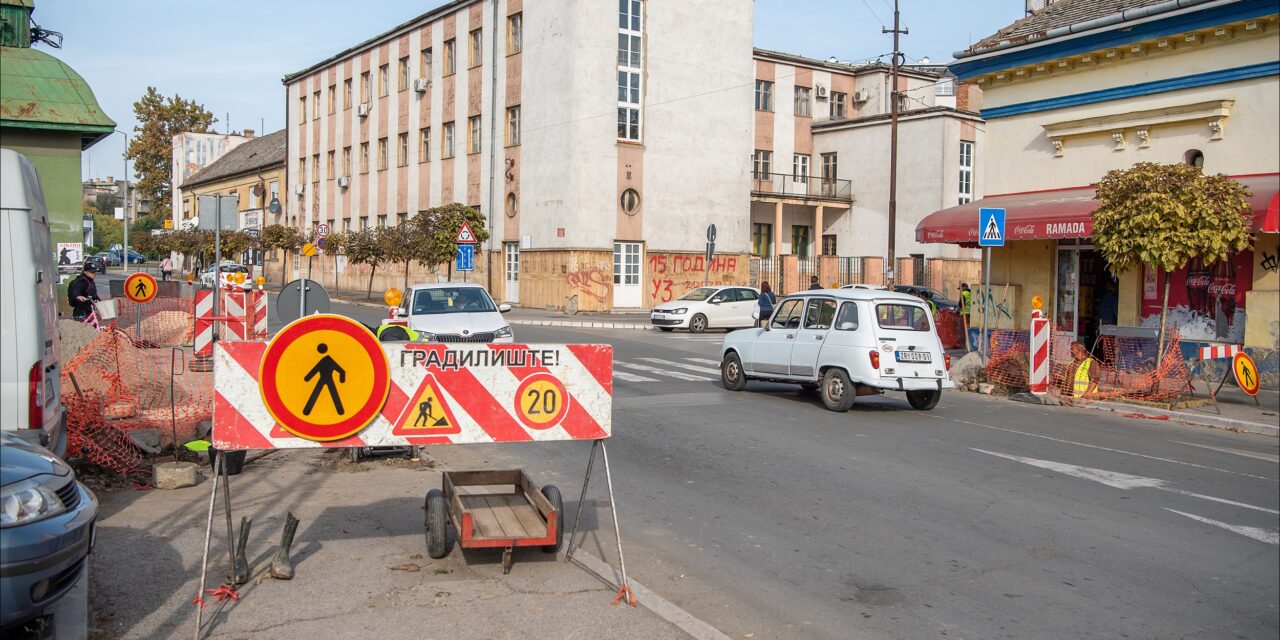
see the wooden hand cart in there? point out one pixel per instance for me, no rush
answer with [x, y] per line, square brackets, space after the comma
[510, 511]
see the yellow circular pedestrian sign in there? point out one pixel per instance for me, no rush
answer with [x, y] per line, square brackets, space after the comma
[140, 288]
[324, 377]
[1246, 372]
[541, 401]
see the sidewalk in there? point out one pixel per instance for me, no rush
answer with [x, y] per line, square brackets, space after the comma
[521, 316]
[1238, 412]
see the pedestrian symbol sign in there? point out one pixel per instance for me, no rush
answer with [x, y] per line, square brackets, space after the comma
[140, 288]
[324, 377]
[426, 413]
[990, 227]
[1246, 372]
[465, 236]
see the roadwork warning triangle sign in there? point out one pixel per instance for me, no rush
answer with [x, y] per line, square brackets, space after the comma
[426, 413]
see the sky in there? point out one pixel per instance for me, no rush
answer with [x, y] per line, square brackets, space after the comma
[231, 54]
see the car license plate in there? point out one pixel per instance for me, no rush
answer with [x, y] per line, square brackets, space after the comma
[914, 356]
[659, 316]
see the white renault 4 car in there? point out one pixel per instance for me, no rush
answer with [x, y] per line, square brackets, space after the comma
[844, 343]
[447, 312]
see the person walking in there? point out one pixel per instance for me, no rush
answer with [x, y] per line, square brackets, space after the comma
[166, 268]
[765, 304]
[83, 292]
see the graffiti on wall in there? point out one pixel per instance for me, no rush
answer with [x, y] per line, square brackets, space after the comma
[594, 282]
[674, 274]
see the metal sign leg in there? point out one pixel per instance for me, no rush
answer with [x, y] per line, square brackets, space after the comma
[568, 554]
[208, 534]
[624, 589]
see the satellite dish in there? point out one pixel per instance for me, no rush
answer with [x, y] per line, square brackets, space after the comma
[274, 205]
[258, 190]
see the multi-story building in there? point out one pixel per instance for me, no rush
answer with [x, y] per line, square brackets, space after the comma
[598, 153]
[193, 152]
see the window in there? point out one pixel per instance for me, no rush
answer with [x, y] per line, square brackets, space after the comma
[800, 241]
[401, 218]
[402, 150]
[515, 33]
[315, 168]
[628, 50]
[802, 102]
[346, 225]
[403, 74]
[837, 105]
[966, 171]
[764, 95]
[346, 93]
[424, 144]
[382, 154]
[384, 79]
[364, 222]
[1194, 158]
[630, 201]
[364, 157]
[788, 315]
[315, 106]
[364, 87]
[762, 239]
[302, 110]
[329, 164]
[446, 149]
[630, 69]
[828, 245]
[424, 63]
[473, 134]
[761, 162]
[346, 161]
[628, 124]
[382, 220]
[477, 49]
[800, 168]
[513, 126]
[820, 313]
[512, 205]
[847, 319]
[511, 259]
[829, 167]
[628, 87]
[629, 15]
[902, 317]
[450, 64]
[333, 98]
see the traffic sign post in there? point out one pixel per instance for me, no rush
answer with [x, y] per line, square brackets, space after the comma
[466, 260]
[990, 234]
[1246, 373]
[140, 288]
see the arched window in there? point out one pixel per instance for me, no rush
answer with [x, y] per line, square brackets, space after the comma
[1194, 157]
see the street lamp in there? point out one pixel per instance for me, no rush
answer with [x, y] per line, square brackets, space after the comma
[125, 208]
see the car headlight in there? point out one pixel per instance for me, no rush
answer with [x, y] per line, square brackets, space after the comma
[679, 311]
[504, 332]
[28, 501]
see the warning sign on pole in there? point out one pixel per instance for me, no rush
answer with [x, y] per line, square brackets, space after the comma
[437, 393]
[140, 288]
[465, 236]
[1246, 372]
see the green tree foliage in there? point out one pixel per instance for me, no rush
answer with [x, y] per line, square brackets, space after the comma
[440, 229]
[364, 247]
[151, 150]
[285, 238]
[106, 229]
[1164, 215]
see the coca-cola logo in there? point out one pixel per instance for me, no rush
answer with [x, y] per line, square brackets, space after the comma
[1198, 281]
[1024, 230]
[1222, 289]
[934, 235]
[973, 233]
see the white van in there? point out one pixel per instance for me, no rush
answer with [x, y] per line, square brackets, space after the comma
[30, 347]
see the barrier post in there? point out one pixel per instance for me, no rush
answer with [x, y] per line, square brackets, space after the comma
[1039, 370]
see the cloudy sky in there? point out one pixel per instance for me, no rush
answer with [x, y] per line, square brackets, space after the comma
[230, 54]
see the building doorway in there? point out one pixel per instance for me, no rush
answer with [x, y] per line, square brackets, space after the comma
[626, 274]
[511, 267]
[1085, 293]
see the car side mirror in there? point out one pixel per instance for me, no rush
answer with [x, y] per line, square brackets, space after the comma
[504, 307]
[715, 301]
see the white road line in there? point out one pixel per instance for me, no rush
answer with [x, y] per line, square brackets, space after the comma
[1094, 446]
[690, 367]
[714, 363]
[631, 377]
[1261, 535]
[1115, 479]
[673, 374]
[1238, 452]
[648, 599]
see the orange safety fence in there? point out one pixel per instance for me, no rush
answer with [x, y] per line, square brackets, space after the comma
[1116, 368]
[950, 328]
[165, 322]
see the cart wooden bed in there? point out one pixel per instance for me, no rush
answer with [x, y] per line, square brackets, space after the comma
[500, 509]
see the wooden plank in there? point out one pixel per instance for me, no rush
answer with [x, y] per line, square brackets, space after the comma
[533, 523]
[487, 525]
[511, 525]
[471, 478]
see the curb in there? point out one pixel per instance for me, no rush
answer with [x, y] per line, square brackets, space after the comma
[584, 325]
[1217, 422]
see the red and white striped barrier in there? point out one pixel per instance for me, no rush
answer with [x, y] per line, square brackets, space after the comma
[259, 315]
[438, 394]
[236, 326]
[1220, 351]
[204, 326]
[1039, 382]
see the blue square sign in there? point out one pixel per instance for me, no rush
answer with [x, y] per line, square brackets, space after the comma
[990, 227]
[466, 258]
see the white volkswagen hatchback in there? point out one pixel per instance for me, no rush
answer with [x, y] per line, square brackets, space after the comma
[844, 343]
[707, 308]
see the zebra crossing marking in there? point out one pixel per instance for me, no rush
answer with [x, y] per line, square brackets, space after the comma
[673, 374]
[690, 367]
[631, 377]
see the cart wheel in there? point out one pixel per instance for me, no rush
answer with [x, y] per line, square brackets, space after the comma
[924, 400]
[838, 392]
[355, 454]
[553, 496]
[437, 525]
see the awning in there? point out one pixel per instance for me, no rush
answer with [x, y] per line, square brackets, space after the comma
[1067, 213]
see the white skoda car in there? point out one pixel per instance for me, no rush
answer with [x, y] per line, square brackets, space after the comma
[447, 312]
[707, 308]
[845, 343]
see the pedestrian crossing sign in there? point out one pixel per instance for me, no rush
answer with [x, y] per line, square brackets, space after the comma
[426, 413]
[990, 227]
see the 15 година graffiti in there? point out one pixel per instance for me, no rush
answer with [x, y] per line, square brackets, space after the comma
[674, 274]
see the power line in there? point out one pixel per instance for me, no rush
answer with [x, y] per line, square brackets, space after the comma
[873, 13]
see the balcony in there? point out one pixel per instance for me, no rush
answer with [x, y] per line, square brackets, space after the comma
[809, 188]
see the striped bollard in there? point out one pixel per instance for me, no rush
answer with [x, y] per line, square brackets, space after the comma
[1039, 382]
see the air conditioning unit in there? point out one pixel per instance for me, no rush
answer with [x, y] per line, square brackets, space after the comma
[299, 189]
[363, 110]
[861, 95]
[343, 182]
[421, 84]
[820, 90]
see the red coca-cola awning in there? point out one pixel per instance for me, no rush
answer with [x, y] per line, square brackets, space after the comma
[1067, 213]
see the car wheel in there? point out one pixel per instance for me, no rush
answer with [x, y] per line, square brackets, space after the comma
[698, 323]
[393, 334]
[924, 400]
[731, 374]
[437, 525]
[838, 392]
[666, 329]
[553, 496]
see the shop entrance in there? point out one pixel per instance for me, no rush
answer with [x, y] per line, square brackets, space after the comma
[1085, 295]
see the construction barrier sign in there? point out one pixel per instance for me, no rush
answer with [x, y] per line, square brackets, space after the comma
[293, 394]
[1246, 372]
[140, 288]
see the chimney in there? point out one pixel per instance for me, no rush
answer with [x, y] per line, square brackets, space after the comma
[248, 133]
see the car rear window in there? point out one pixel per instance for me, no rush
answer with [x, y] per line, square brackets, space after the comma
[902, 317]
[848, 318]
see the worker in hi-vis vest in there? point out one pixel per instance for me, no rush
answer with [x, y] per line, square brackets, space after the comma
[1083, 373]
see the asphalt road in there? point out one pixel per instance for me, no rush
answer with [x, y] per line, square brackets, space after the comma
[761, 513]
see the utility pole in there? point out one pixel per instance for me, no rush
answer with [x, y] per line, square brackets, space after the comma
[891, 275]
